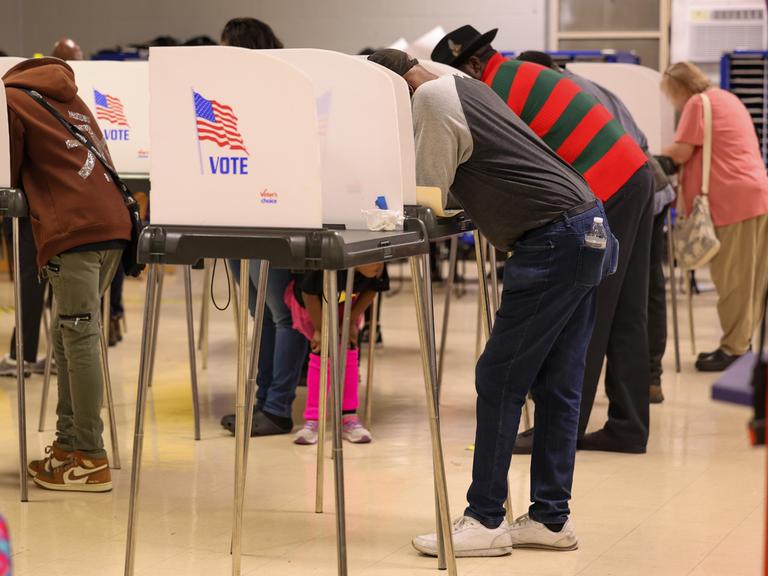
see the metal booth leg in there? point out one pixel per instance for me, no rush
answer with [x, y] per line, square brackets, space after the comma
[338, 352]
[236, 299]
[494, 278]
[454, 251]
[689, 279]
[53, 314]
[487, 317]
[482, 280]
[21, 392]
[372, 336]
[429, 367]
[673, 287]
[156, 313]
[425, 275]
[191, 342]
[205, 310]
[323, 394]
[240, 432]
[246, 395]
[103, 336]
[253, 367]
[147, 351]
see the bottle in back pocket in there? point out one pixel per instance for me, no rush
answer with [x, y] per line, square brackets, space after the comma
[597, 237]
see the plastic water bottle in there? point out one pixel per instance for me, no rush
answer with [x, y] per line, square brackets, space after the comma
[597, 237]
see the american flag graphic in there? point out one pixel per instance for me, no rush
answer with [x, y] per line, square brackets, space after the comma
[217, 123]
[109, 108]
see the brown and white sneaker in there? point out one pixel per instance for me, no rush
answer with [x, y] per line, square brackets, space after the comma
[55, 457]
[78, 474]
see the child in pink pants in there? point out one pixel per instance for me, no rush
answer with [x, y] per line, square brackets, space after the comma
[304, 298]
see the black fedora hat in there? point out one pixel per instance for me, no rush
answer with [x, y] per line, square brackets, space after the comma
[457, 46]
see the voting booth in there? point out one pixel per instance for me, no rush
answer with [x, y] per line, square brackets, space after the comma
[638, 87]
[364, 154]
[250, 153]
[118, 95]
[228, 157]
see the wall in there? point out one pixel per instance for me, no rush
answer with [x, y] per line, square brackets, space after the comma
[344, 25]
[11, 24]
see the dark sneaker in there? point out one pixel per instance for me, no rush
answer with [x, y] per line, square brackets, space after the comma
[269, 425]
[703, 355]
[603, 441]
[262, 424]
[717, 362]
[79, 473]
[524, 442]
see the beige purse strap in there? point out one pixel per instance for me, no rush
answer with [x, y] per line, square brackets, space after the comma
[706, 162]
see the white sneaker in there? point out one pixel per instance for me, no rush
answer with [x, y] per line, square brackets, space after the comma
[355, 432]
[470, 539]
[307, 435]
[527, 533]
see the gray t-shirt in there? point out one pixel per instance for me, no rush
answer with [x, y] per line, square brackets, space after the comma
[469, 143]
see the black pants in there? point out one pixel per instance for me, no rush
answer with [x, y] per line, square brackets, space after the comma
[32, 289]
[621, 327]
[657, 300]
[116, 309]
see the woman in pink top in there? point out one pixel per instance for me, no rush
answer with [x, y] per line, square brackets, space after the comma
[738, 192]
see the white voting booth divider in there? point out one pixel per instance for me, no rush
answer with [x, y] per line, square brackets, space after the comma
[7, 63]
[5, 151]
[224, 149]
[365, 131]
[440, 69]
[118, 95]
[5, 158]
[639, 88]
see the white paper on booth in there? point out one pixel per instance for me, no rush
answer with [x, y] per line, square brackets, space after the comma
[234, 140]
[118, 95]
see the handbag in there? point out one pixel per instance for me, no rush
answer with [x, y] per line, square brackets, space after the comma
[130, 259]
[696, 241]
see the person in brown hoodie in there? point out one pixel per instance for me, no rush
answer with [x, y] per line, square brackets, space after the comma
[81, 226]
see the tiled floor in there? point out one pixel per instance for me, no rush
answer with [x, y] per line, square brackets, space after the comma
[694, 504]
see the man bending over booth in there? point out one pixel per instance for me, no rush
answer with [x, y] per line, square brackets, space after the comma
[587, 136]
[524, 199]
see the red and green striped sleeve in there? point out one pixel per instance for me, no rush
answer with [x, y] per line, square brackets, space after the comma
[570, 121]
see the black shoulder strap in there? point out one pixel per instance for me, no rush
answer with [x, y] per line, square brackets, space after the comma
[85, 141]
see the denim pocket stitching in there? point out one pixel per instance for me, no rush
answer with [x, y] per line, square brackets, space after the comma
[520, 247]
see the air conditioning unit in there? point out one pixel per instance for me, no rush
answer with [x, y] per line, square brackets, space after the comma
[717, 29]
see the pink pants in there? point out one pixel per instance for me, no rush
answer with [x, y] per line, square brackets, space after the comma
[351, 381]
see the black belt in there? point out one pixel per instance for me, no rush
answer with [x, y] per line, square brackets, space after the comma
[580, 209]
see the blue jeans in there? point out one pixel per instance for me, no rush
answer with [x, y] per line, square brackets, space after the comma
[283, 349]
[538, 344]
